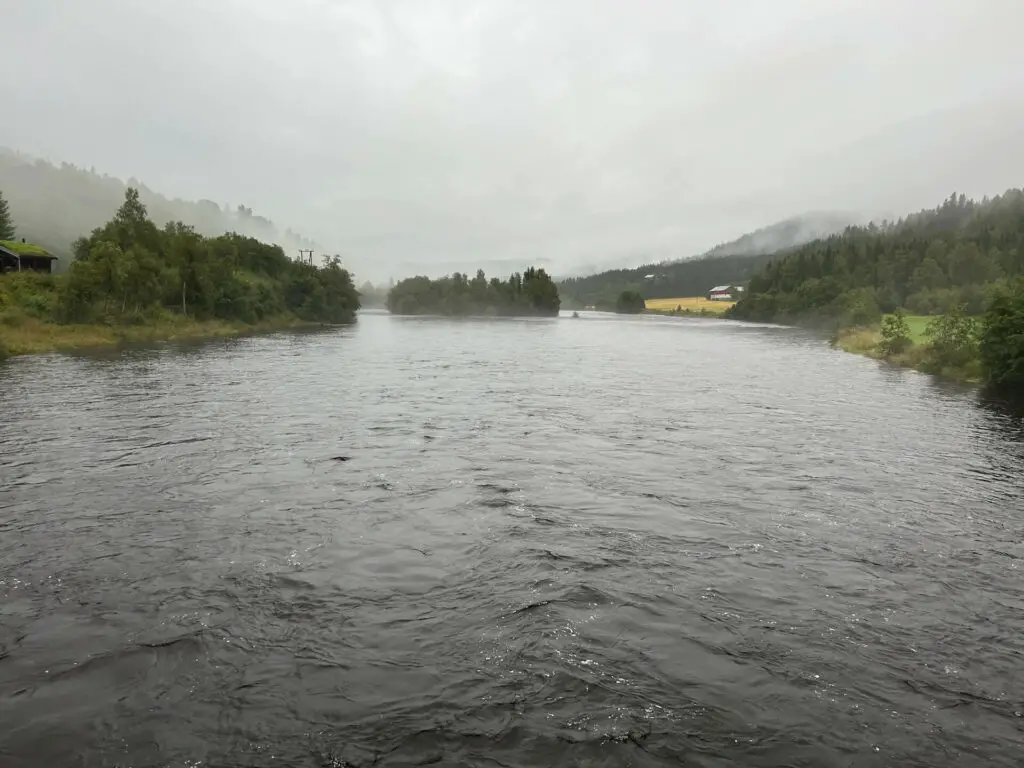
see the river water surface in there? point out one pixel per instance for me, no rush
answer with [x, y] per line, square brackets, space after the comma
[601, 541]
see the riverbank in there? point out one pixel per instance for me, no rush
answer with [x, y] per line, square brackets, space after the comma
[918, 354]
[131, 281]
[32, 336]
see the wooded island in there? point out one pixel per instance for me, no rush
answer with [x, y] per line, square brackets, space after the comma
[532, 293]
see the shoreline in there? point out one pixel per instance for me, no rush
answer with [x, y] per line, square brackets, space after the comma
[35, 337]
[865, 342]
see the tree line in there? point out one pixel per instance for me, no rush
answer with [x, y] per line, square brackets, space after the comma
[694, 277]
[961, 262]
[530, 293]
[130, 271]
[929, 263]
[728, 263]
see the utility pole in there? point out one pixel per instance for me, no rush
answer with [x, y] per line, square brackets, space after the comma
[302, 255]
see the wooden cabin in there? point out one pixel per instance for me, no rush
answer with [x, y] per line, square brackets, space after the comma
[19, 257]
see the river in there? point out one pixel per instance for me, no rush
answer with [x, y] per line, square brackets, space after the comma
[601, 541]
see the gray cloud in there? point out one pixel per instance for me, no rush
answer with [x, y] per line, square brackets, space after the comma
[424, 136]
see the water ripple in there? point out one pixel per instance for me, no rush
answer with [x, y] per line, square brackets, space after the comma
[611, 541]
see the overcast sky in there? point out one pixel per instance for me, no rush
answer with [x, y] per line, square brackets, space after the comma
[426, 135]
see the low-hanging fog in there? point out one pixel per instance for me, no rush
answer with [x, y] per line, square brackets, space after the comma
[422, 137]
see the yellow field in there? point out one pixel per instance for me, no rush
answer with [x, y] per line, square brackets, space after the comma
[691, 304]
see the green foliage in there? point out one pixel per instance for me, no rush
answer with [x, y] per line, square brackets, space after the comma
[1002, 341]
[128, 269]
[530, 293]
[952, 341]
[895, 334]
[859, 308]
[630, 303]
[6, 223]
[26, 294]
[25, 297]
[933, 301]
[931, 262]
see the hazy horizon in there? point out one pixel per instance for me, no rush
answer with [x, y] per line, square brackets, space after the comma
[418, 137]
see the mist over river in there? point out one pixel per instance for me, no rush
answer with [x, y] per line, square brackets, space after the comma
[602, 541]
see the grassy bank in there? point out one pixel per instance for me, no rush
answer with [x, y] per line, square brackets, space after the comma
[920, 352]
[31, 336]
[28, 321]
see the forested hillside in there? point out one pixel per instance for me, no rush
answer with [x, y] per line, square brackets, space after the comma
[956, 255]
[732, 262]
[531, 293]
[53, 205]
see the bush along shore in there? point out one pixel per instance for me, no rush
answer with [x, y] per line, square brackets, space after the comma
[985, 350]
[941, 291]
[132, 281]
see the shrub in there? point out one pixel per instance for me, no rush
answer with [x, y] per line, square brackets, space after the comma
[1002, 341]
[630, 303]
[952, 341]
[895, 334]
[26, 295]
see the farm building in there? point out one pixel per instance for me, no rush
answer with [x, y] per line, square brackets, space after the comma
[724, 293]
[15, 257]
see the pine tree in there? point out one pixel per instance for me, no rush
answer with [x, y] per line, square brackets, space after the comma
[6, 225]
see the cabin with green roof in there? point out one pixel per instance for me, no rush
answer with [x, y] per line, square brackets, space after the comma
[17, 257]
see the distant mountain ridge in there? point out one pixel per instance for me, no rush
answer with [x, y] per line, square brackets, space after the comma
[54, 205]
[732, 262]
[788, 233]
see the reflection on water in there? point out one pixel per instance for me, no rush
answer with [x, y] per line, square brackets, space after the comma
[604, 541]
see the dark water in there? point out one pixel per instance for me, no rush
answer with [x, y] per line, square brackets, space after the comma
[605, 541]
